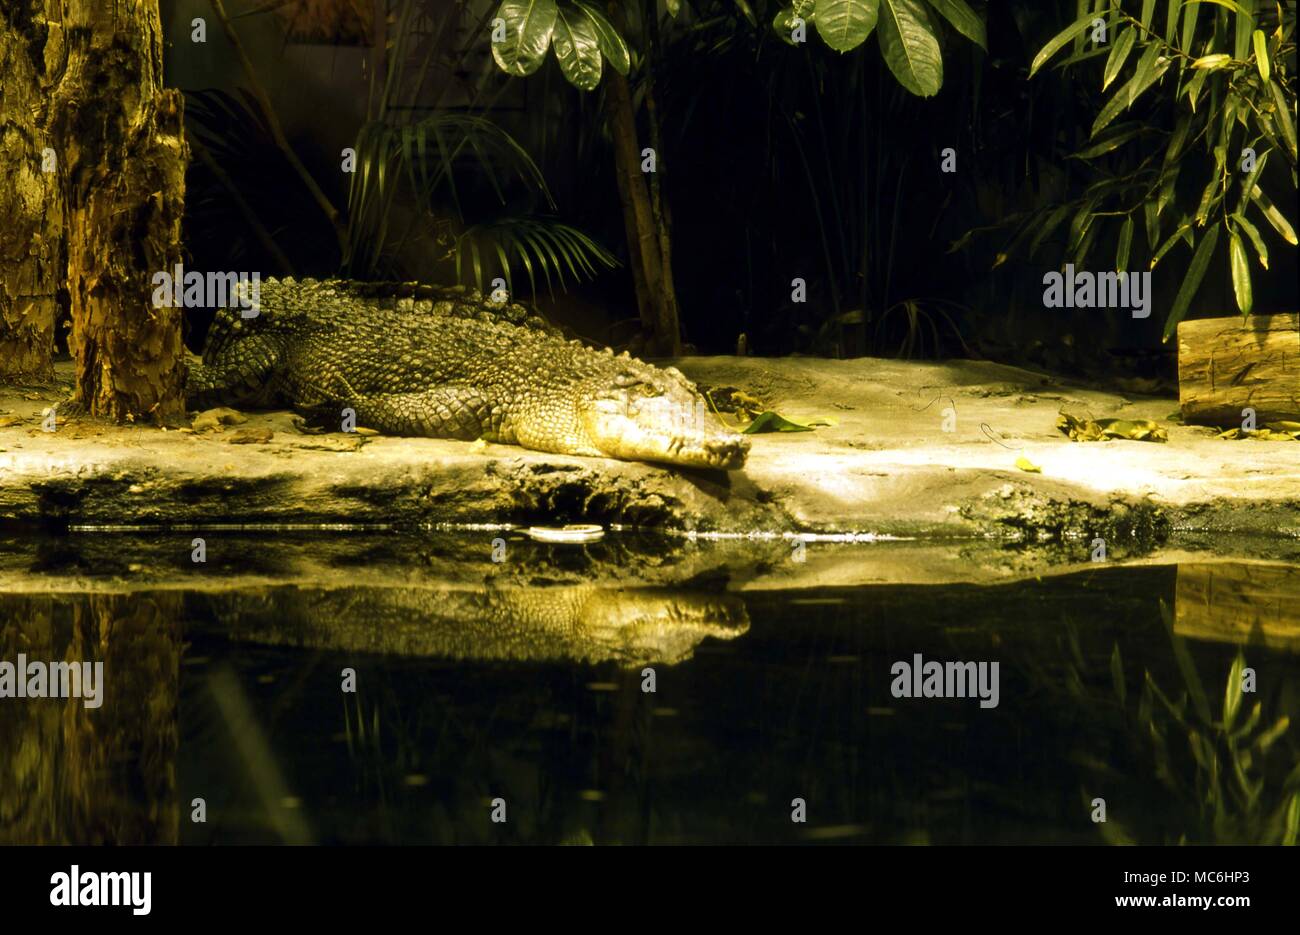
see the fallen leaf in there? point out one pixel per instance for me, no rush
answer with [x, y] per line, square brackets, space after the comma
[770, 421]
[1096, 430]
[213, 419]
[1028, 466]
[255, 436]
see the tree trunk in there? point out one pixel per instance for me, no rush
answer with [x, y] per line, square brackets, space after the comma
[651, 273]
[1228, 364]
[123, 153]
[668, 316]
[1233, 603]
[31, 265]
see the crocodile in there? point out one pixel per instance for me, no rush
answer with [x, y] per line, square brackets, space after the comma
[585, 623]
[446, 363]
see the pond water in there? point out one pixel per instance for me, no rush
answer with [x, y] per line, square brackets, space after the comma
[524, 696]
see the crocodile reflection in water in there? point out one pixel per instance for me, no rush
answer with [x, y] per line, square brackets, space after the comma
[584, 623]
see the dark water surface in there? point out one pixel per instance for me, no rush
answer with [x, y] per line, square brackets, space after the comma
[529, 689]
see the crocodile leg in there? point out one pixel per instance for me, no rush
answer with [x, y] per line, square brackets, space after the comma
[240, 374]
[453, 411]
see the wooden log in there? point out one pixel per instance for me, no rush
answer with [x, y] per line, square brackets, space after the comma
[1227, 602]
[1228, 364]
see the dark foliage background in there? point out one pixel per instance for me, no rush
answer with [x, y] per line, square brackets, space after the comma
[781, 162]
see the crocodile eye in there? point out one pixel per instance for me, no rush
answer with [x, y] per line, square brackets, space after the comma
[647, 389]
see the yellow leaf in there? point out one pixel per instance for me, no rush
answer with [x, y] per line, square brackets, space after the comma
[1028, 466]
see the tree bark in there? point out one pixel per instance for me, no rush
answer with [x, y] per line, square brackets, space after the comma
[31, 263]
[107, 775]
[123, 153]
[1232, 603]
[670, 321]
[651, 273]
[1228, 364]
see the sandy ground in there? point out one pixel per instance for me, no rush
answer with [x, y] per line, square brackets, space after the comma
[886, 467]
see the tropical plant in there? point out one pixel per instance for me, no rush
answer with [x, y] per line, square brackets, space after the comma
[581, 35]
[424, 174]
[410, 173]
[1227, 72]
[908, 37]
[1225, 777]
[1217, 767]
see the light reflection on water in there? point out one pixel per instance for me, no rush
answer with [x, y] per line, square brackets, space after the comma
[532, 692]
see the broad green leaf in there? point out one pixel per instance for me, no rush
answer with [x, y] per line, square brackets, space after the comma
[1193, 88]
[1189, 27]
[1273, 215]
[1172, 9]
[577, 48]
[1151, 215]
[910, 48]
[1112, 139]
[1270, 736]
[1149, 70]
[1117, 675]
[1079, 225]
[1282, 117]
[1179, 233]
[745, 11]
[1261, 53]
[1125, 241]
[1093, 51]
[845, 24]
[1248, 185]
[1210, 197]
[1240, 280]
[1176, 139]
[1245, 25]
[965, 20]
[783, 26]
[1232, 693]
[611, 43]
[1226, 4]
[529, 25]
[1187, 291]
[1059, 41]
[1045, 229]
[1200, 701]
[1080, 254]
[804, 9]
[1118, 55]
[1252, 235]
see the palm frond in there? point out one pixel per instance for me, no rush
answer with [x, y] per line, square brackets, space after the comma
[428, 156]
[537, 244]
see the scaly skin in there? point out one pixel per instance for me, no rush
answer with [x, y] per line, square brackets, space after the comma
[455, 368]
[582, 623]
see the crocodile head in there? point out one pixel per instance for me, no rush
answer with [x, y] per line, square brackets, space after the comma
[638, 412]
[645, 625]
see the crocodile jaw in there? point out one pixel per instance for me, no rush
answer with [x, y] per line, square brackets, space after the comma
[663, 429]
